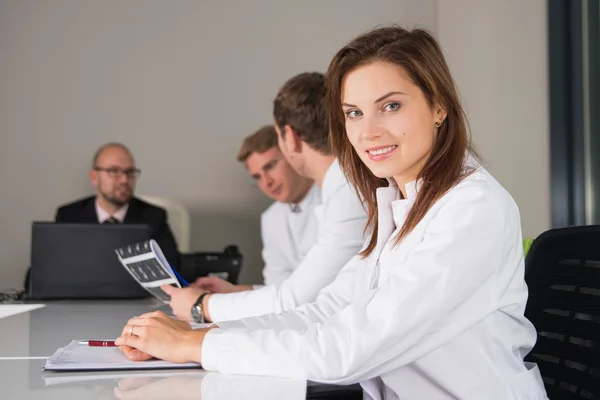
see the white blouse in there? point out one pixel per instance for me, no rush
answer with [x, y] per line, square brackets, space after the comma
[439, 316]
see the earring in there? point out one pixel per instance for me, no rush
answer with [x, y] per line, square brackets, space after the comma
[438, 124]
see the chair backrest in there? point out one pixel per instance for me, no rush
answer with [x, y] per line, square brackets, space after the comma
[563, 277]
[178, 218]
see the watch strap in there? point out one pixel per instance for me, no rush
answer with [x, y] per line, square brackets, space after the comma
[198, 304]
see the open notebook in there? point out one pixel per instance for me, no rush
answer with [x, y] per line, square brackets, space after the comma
[80, 357]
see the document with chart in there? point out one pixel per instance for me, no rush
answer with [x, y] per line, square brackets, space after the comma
[147, 264]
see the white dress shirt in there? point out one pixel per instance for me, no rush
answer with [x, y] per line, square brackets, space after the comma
[288, 232]
[103, 215]
[439, 316]
[342, 220]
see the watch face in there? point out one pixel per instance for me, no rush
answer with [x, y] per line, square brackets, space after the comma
[196, 314]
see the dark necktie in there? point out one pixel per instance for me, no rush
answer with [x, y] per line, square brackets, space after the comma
[111, 220]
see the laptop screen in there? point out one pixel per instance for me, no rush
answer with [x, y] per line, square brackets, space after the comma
[78, 261]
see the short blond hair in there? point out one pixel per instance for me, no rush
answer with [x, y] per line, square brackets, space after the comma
[260, 141]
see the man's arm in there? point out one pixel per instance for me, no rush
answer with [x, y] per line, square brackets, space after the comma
[275, 271]
[340, 238]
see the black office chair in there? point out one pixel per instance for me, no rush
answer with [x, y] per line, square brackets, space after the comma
[563, 276]
[226, 264]
[332, 392]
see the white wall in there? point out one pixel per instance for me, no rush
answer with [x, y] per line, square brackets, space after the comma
[497, 51]
[180, 82]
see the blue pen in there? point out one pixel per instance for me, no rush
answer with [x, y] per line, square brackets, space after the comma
[183, 281]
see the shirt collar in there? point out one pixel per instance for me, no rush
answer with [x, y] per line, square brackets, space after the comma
[411, 188]
[103, 215]
[389, 197]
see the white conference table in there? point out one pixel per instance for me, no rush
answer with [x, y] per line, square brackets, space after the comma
[27, 338]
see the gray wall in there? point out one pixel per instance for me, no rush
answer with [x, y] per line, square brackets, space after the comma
[180, 82]
[497, 51]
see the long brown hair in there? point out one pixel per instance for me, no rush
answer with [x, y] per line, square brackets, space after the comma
[421, 58]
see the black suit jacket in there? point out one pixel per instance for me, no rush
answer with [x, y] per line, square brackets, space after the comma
[139, 212]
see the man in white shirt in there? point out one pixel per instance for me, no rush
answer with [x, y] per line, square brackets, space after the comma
[289, 227]
[303, 131]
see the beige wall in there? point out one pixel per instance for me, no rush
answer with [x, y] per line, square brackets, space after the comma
[183, 82]
[180, 82]
[497, 51]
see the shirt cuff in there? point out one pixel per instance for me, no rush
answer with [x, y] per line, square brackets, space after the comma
[216, 305]
[210, 349]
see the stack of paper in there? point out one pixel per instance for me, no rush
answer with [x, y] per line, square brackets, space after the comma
[80, 357]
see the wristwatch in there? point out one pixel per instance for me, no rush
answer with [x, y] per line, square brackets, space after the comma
[197, 312]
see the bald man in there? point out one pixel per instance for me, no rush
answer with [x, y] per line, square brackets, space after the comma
[114, 176]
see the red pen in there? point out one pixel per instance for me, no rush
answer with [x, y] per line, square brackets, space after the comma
[100, 343]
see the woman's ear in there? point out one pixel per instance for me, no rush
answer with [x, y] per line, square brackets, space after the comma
[440, 114]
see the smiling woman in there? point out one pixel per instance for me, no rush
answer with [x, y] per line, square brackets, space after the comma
[411, 125]
[432, 308]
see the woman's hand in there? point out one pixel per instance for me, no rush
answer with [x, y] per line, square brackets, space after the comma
[158, 335]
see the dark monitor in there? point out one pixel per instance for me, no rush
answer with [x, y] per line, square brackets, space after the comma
[78, 261]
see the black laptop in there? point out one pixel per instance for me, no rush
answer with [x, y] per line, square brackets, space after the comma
[78, 261]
